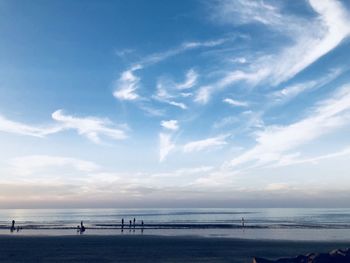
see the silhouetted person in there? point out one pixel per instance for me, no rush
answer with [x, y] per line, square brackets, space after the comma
[142, 225]
[130, 224]
[13, 226]
[134, 222]
[122, 223]
[243, 222]
[82, 227]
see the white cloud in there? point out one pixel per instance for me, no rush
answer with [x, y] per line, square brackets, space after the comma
[165, 146]
[177, 104]
[14, 127]
[170, 125]
[198, 44]
[205, 144]
[190, 81]
[184, 47]
[242, 12]
[322, 35]
[203, 95]
[34, 164]
[235, 102]
[90, 127]
[127, 84]
[294, 159]
[275, 141]
[163, 95]
[332, 29]
[294, 90]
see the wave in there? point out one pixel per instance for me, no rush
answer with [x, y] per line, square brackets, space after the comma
[184, 226]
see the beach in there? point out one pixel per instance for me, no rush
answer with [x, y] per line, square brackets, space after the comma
[147, 248]
[170, 235]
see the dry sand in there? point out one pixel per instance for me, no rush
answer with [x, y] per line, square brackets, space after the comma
[146, 248]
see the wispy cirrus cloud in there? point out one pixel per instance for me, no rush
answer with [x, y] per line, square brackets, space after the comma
[184, 47]
[205, 144]
[126, 86]
[166, 145]
[90, 127]
[275, 142]
[243, 12]
[170, 92]
[19, 128]
[326, 32]
[170, 125]
[294, 159]
[236, 103]
[292, 91]
[203, 94]
[167, 96]
[190, 81]
[32, 164]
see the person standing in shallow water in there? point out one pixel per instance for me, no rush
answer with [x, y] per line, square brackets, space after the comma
[122, 223]
[134, 222]
[130, 224]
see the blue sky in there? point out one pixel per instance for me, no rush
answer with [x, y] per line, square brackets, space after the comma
[174, 103]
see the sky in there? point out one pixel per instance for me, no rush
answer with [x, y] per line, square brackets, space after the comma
[218, 103]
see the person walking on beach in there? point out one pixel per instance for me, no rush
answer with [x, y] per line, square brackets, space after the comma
[82, 227]
[13, 226]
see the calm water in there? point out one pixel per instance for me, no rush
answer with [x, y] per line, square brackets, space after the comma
[272, 223]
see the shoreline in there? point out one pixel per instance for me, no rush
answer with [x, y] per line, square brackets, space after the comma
[151, 248]
[332, 235]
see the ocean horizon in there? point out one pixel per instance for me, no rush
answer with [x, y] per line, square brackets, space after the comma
[267, 223]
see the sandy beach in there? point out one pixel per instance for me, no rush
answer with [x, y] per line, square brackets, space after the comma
[146, 248]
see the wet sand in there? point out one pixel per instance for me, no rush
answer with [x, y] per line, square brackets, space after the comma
[146, 248]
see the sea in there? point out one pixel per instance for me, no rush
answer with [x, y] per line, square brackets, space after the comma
[247, 223]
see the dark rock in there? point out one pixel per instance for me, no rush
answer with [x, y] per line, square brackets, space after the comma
[335, 256]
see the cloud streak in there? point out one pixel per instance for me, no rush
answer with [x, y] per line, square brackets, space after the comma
[205, 144]
[276, 141]
[28, 165]
[127, 85]
[309, 44]
[165, 146]
[235, 103]
[170, 125]
[90, 127]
